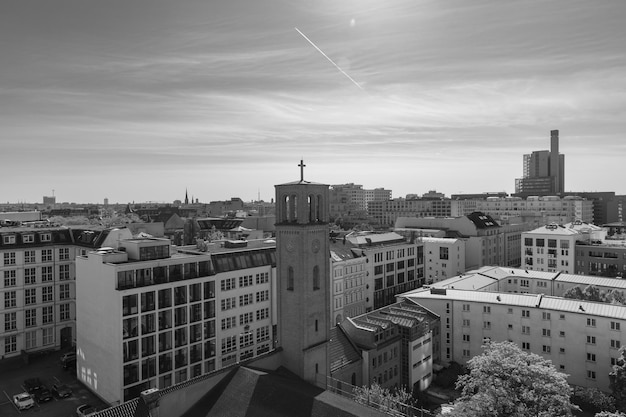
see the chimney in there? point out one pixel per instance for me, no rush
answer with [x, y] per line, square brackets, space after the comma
[555, 169]
[150, 398]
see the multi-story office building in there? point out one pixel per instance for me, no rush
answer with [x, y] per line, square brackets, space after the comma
[607, 258]
[550, 248]
[395, 264]
[443, 258]
[543, 171]
[149, 316]
[38, 285]
[386, 212]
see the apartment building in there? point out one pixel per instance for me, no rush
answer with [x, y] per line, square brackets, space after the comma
[550, 248]
[350, 285]
[443, 258]
[486, 241]
[149, 316]
[38, 284]
[394, 264]
[582, 339]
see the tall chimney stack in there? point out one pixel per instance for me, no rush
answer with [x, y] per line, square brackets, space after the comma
[555, 169]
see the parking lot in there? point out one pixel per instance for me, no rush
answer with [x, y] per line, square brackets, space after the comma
[47, 368]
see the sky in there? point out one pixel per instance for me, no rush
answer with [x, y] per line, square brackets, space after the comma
[141, 100]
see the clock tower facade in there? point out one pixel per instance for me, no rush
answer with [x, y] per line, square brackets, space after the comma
[303, 269]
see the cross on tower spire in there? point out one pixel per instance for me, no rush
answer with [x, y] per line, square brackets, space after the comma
[301, 165]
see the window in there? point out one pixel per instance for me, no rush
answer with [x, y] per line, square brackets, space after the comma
[229, 344]
[10, 321]
[466, 322]
[466, 337]
[591, 340]
[561, 333]
[10, 278]
[64, 312]
[246, 299]
[591, 322]
[46, 255]
[262, 296]
[30, 317]
[263, 314]
[64, 254]
[525, 345]
[262, 278]
[48, 336]
[228, 284]
[486, 325]
[245, 318]
[10, 344]
[290, 278]
[245, 281]
[9, 258]
[591, 357]
[47, 294]
[466, 307]
[591, 374]
[229, 322]
[525, 329]
[546, 332]
[228, 303]
[561, 316]
[615, 326]
[546, 349]
[615, 344]
[46, 274]
[524, 283]
[443, 253]
[262, 334]
[487, 309]
[30, 296]
[526, 313]
[47, 314]
[510, 311]
[29, 256]
[45, 237]
[64, 272]
[316, 278]
[466, 353]
[545, 316]
[10, 299]
[30, 276]
[9, 239]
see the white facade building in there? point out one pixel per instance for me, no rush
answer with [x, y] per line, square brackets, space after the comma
[550, 248]
[150, 317]
[443, 258]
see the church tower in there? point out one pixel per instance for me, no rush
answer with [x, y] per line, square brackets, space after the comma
[303, 269]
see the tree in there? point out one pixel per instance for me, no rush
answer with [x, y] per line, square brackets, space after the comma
[591, 293]
[378, 397]
[610, 414]
[617, 381]
[575, 293]
[506, 381]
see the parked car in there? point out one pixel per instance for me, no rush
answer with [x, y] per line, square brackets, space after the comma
[68, 358]
[32, 384]
[43, 394]
[85, 410]
[23, 401]
[61, 390]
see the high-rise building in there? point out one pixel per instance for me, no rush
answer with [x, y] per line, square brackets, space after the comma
[543, 171]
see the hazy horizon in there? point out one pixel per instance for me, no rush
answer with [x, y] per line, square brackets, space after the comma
[138, 101]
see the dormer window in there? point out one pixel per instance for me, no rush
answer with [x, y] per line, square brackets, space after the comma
[45, 237]
[8, 239]
[28, 238]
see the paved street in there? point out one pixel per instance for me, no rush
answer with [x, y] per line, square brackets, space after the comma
[49, 370]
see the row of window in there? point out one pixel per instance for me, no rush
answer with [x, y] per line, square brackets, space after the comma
[30, 256]
[30, 275]
[30, 316]
[10, 342]
[10, 239]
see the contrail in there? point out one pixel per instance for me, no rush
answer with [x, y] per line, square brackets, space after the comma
[330, 60]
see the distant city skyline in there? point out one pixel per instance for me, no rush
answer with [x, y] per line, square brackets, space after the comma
[138, 101]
